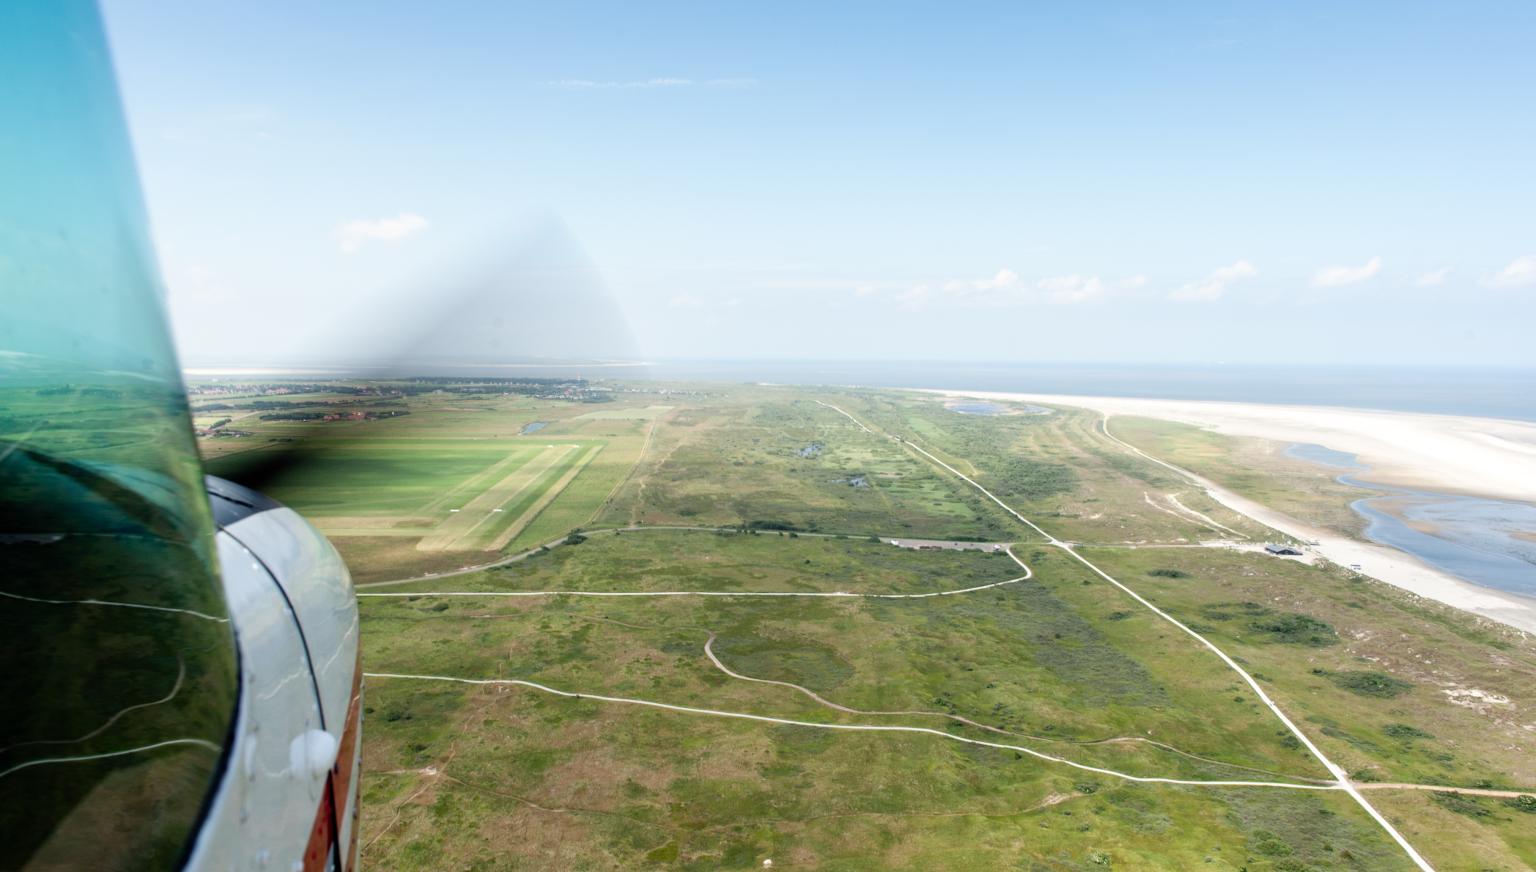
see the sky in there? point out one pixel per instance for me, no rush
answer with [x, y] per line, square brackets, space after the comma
[1296, 184]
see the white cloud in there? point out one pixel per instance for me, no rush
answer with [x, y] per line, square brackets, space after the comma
[913, 298]
[1520, 272]
[1002, 280]
[1433, 278]
[1214, 286]
[1006, 287]
[354, 234]
[865, 291]
[1066, 290]
[1336, 276]
[1133, 283]
[1005, 278]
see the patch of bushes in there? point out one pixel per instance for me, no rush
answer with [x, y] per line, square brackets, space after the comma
[1367, 683]
[1296, 629]
[1270, 845]
[1524, 802]
[1405, 731]
[1228, 611]
[1469, 806]
[1167, 573]
[770, 525]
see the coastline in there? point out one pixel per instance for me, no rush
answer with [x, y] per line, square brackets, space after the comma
[1484, 457]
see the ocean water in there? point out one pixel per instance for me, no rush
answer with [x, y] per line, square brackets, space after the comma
[1479, 540]
[1495, 393]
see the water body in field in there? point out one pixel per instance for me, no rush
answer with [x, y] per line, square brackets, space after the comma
[535, 427]
[978, 409]
[1487, 542]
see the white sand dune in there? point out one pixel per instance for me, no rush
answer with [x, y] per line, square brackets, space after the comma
[1486, 457]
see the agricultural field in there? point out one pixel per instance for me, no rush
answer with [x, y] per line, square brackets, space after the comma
[447, 481]
[714, 655]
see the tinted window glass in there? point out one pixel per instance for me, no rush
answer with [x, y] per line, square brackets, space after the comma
[119, 679]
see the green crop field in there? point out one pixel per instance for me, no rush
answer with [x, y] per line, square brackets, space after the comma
[455, 481]
[721, 658]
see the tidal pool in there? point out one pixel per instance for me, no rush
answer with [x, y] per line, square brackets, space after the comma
[1487, 542]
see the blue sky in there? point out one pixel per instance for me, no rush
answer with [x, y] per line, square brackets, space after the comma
[1296, 183]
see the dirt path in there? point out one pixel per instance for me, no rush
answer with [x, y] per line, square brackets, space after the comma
[1440, 788]
[854, 728]
[1341, 778]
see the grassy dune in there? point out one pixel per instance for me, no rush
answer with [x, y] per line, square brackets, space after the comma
[1256, 468]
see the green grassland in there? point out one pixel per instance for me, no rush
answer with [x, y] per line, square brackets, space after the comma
[662, 559]
[1422, 725]
[1025, 658]
[667, 490]
[770, 455]
[526, 781]
[1256, 468]
[1057, 468]
[475, 772]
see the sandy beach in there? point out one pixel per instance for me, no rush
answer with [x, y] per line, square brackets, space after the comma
[1483, 457]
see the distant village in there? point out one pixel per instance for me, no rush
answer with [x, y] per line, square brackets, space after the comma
[363, 400]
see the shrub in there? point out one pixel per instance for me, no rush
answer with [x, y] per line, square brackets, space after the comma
[1405, 731]
[1450, 800]
[1167, 573]
[1296, 629]
[1524, 802]
[1369, 683]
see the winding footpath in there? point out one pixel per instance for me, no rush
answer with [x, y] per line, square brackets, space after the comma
[852, 728]
[1307, 783]
[1116, 740]
[1342, 781]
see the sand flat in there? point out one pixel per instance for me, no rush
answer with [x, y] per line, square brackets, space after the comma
[1486, 457]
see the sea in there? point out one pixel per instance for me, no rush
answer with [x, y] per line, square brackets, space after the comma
[1486, 392]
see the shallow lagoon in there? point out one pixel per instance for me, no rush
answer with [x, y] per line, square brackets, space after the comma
[979, 407]
[1487, 542]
